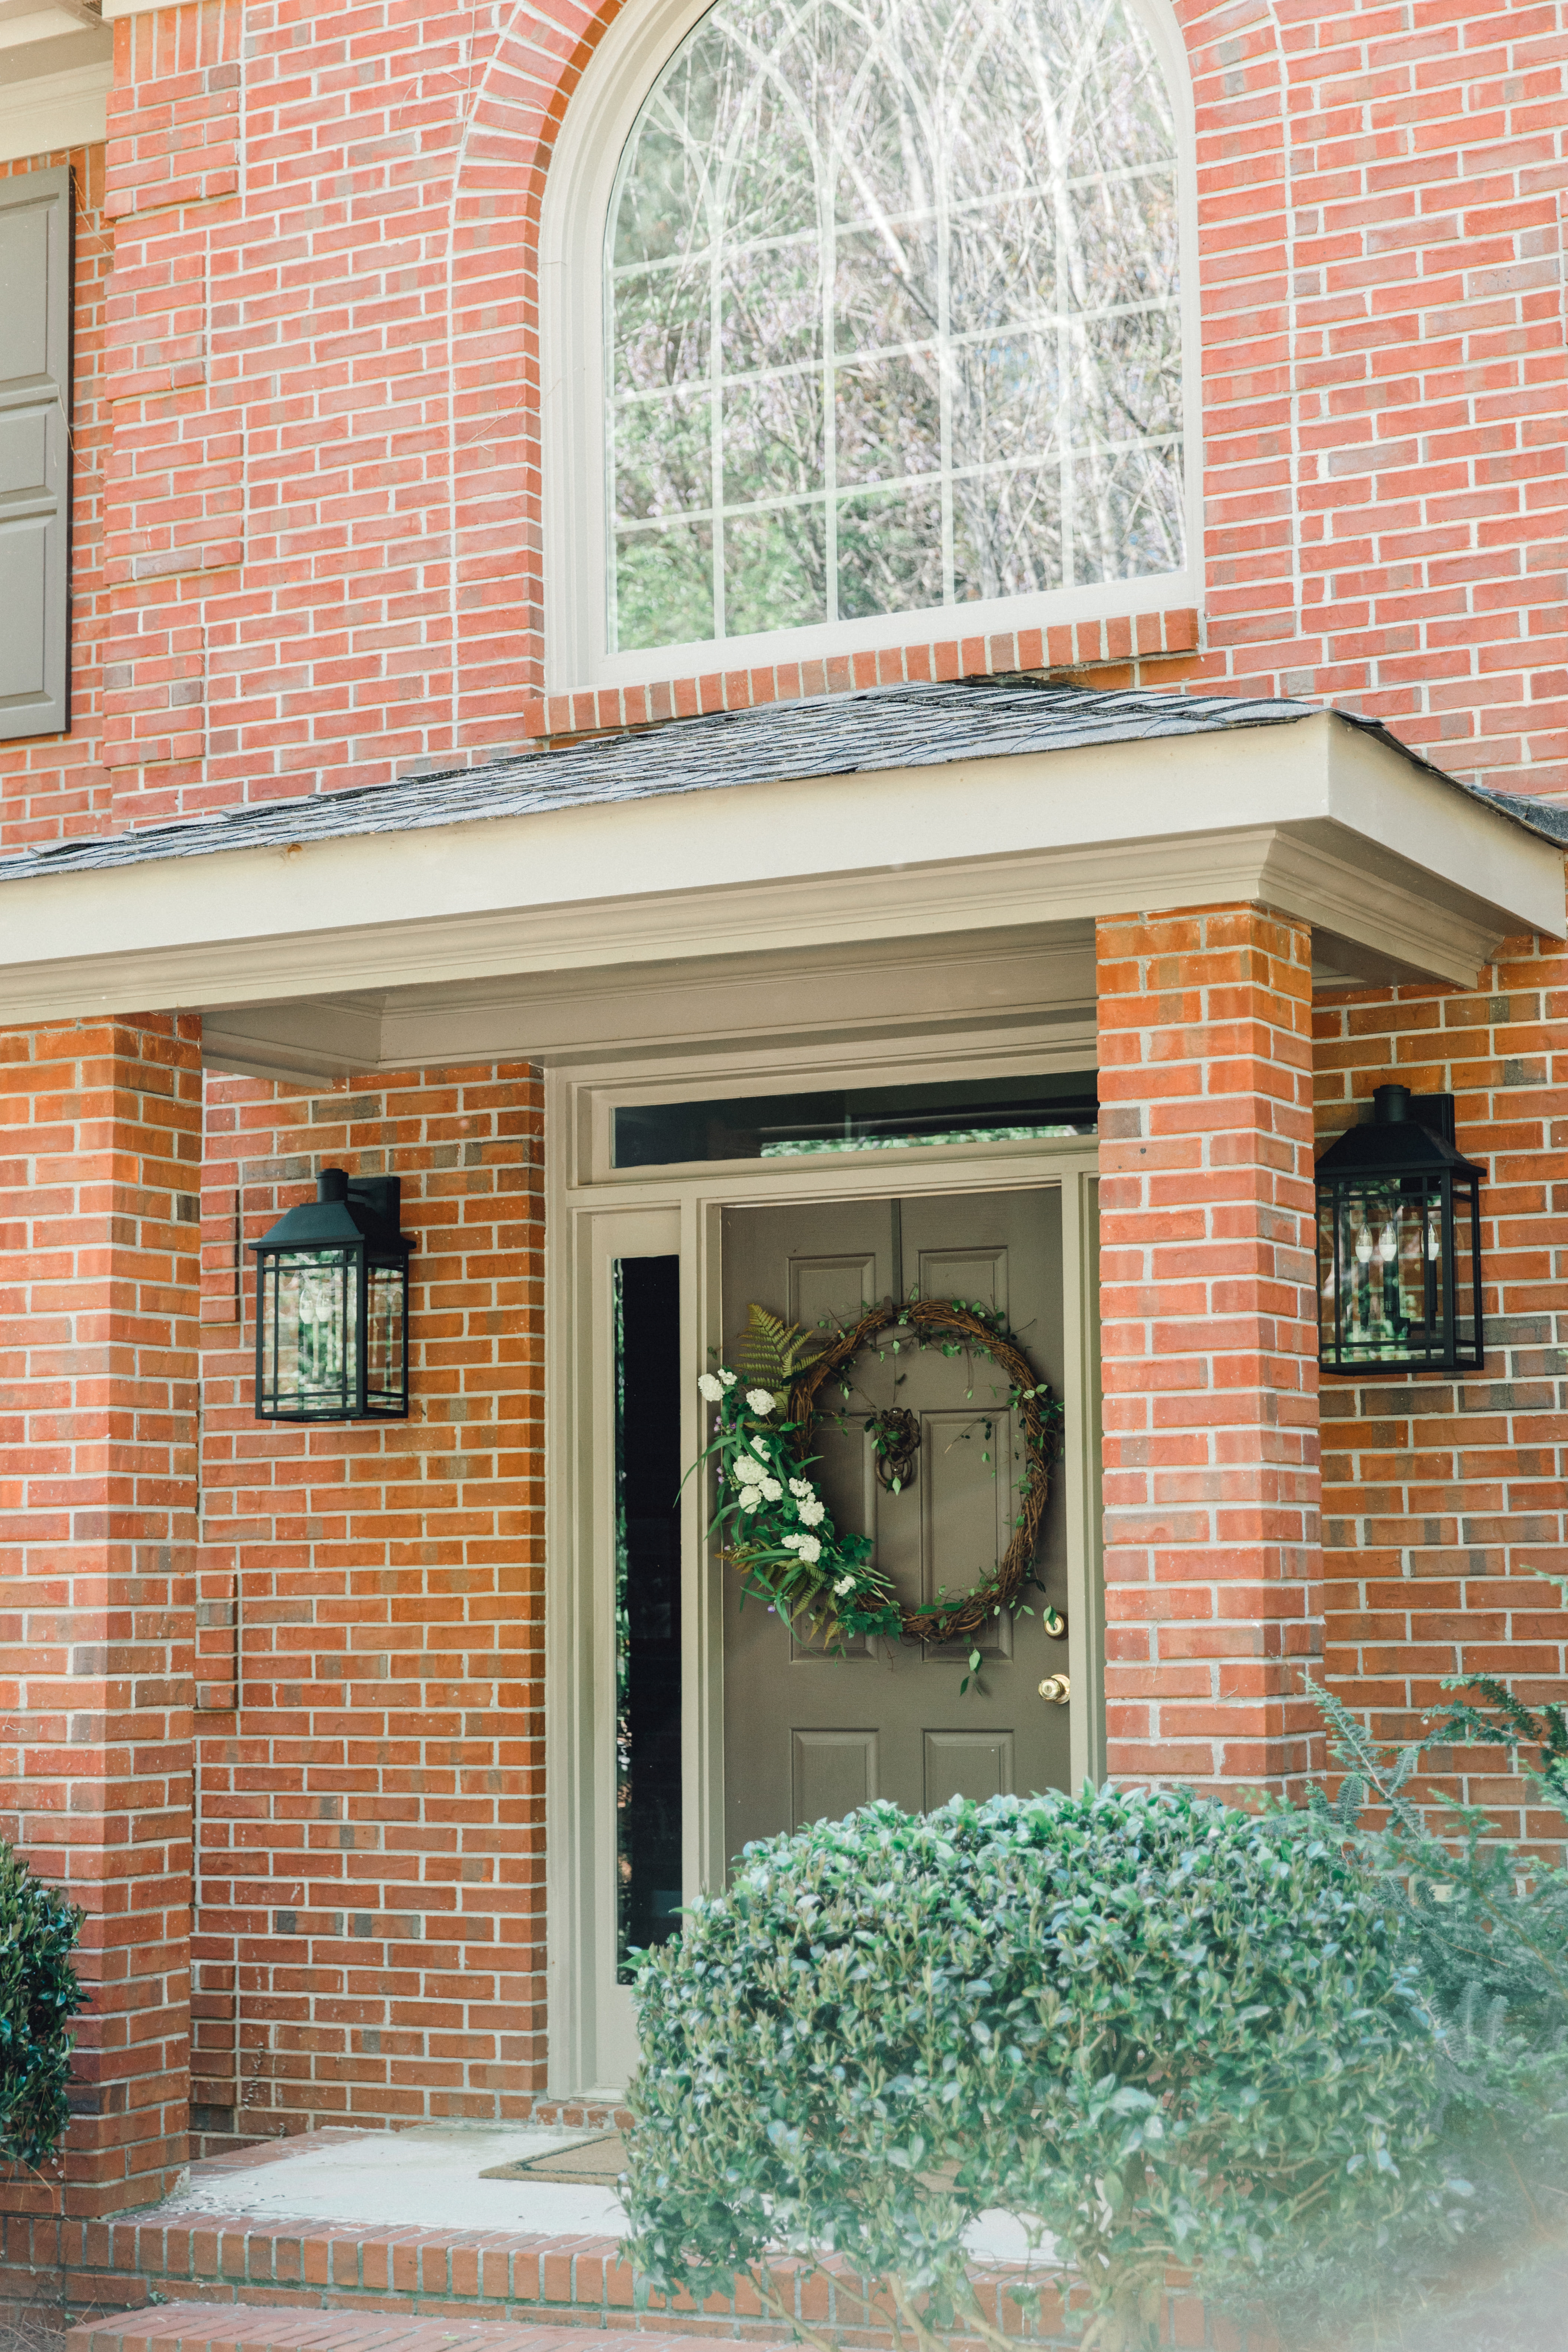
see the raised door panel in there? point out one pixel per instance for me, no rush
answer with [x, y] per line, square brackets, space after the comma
[977, 1764]
[832, 1772]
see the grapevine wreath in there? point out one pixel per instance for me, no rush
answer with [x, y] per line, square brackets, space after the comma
[774, 1527]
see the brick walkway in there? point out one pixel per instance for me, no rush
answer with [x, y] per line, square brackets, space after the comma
[217, 2327]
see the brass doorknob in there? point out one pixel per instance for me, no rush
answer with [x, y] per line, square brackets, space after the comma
[1058, 1688]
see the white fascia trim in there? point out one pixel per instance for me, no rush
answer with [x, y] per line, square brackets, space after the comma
[1400, 861]
[41, 115]
[113, 8]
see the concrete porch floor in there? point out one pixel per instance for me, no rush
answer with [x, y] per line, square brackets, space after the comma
[428, 2177]
[431, 2177]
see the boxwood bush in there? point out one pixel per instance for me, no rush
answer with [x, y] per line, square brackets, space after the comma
[1163, 2028]
[40, 1995]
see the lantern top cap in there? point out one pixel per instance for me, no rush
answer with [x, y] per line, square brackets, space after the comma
[347, 1214]
[1404, 1137]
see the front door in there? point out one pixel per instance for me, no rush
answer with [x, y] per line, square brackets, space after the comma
[808, 1736]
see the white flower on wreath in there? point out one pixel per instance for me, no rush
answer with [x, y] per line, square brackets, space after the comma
[800, 1488]
[712, 1387]
[761, 1399]
[770, 1490]
[808, 1547]
[750, 1498]
[728, 1378]
[811, 1512]
[747, 1470]
[760, 1448]
[845, 1584]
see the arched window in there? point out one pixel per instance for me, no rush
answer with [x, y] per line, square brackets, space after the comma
[892, 319]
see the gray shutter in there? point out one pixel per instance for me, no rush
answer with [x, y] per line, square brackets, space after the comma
[35, 453]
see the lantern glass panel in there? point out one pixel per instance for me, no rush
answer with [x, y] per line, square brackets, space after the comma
[1467, 1269]
[384, 1340]
[1382, 1295]
[312, 1330]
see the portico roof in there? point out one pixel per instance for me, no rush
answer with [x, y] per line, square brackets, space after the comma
[859, 733]
[907, 853]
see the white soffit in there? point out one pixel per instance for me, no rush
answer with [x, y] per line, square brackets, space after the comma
[1317, 818]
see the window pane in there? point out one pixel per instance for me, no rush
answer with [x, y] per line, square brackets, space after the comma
[890, 417]
[663, 584]
[772, 437]
[862, 1119]
[775, 568]
[895, 238]
[890, 552]
[1005, 398]
[1127, 508]
[1006, 532]
[646, 1296]
[663, 455]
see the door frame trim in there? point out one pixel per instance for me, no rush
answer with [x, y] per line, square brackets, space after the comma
[592, 1214]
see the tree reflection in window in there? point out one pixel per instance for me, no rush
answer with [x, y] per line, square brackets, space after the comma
[892, 304]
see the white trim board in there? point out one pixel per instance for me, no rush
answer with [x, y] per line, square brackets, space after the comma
[42, 113]
[1317, 818]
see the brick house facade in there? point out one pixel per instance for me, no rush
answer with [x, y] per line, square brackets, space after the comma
[285, 1709]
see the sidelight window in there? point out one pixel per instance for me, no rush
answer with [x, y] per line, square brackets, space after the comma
[646, 1299]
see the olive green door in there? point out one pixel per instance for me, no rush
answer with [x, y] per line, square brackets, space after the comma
[806, 1735]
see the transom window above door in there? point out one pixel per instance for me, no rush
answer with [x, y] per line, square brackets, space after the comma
[893, 321]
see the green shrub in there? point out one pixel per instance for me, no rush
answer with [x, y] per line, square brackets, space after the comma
[1483, 1928]
[1164, 2030]
[38, 1996]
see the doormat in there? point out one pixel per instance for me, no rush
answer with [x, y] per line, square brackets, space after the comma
[595, 2163]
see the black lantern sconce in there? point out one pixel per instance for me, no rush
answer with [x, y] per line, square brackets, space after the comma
[1399, 1243]
[332, 1305]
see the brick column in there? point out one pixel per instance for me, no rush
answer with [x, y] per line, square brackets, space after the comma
[1212, 1558]
[100, 1199]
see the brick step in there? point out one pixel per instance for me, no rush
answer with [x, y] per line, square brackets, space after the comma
[400, 2276]
[248, 2327]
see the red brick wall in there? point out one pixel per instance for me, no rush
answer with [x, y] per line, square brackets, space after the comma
[1208, 1329]
[100, 1193]
[323, 549]
[1439, 1496]
[369, 1934]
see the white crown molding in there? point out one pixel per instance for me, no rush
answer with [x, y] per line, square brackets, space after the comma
[1315, 818]
[41, 113]
[745, 1001]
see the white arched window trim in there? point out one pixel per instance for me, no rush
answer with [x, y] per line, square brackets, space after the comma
[578, 184]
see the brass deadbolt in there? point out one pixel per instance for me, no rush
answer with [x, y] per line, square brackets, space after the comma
[1058, 1688]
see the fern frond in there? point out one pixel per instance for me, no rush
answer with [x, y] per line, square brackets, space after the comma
[772, 1352]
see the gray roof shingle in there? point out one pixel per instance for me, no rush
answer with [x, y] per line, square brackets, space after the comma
[831, 735]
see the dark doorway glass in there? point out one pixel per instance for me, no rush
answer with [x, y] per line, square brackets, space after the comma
[648, 1602]
[857, 1118]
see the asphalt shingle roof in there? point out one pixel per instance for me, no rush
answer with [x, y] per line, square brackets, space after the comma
[830, 735]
